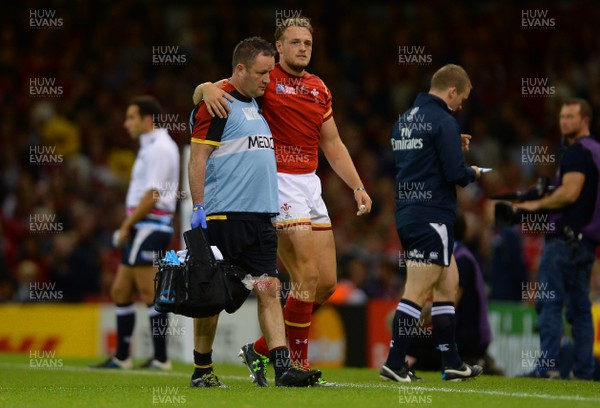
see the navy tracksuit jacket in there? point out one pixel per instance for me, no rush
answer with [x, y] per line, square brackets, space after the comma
[429, 163]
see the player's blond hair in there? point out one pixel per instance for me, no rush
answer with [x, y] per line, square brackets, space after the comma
[449, 76]
[292, 22]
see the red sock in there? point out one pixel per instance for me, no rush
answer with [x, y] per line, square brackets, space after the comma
[260, 346]
[297, 315]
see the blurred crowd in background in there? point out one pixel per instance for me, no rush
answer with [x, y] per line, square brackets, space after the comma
[65, 157]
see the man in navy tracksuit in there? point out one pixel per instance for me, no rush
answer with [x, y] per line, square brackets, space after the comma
[429, 161]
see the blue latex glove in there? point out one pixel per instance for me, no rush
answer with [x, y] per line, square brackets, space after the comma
[198, 217]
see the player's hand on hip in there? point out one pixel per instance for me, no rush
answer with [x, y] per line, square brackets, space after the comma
[465, 141]
[122, 235]
[198, 217]
[363, 201]
[216, 99]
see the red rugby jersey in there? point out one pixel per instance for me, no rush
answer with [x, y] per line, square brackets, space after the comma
[295, 108]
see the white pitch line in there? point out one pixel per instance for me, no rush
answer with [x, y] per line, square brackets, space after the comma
[483, 392]
[349, 385]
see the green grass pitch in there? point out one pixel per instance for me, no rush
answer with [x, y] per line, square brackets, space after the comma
[70, 383]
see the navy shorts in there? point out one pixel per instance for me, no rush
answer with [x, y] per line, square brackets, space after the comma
[149, 240]
[432, 243]
[245, 240]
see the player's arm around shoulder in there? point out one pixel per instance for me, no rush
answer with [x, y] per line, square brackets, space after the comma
[339, 158]
[215, 98]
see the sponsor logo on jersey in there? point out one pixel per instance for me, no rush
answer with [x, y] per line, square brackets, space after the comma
[251, 113]
[407, 142]
[260, 142]
[412, 113]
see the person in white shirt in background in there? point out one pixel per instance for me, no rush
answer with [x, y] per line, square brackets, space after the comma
[146, 231]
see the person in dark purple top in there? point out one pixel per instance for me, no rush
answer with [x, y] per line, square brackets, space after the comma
[473, 334]
[569, 253]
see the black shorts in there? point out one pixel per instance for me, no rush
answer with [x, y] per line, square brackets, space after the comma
[148, 241]
[431, 243]
[245, 240]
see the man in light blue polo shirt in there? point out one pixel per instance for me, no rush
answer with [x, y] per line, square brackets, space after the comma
[233, 181]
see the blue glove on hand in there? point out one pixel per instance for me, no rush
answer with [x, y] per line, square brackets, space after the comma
[198, 217]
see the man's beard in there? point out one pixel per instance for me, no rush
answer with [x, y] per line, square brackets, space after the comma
[570, 135]
[567, 139]
[296, 67]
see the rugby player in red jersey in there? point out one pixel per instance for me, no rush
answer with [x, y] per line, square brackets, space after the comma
[297, 106]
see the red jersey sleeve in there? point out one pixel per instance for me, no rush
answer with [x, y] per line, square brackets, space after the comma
[205, 128]
[328, 103]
